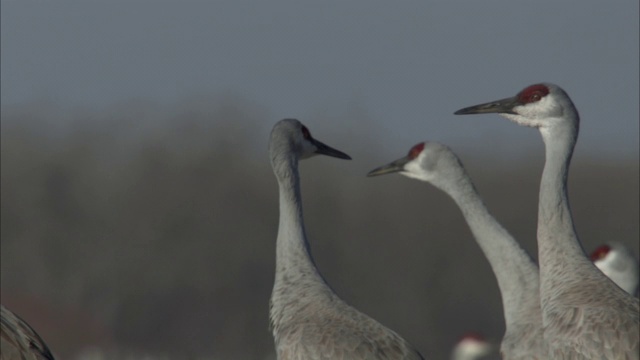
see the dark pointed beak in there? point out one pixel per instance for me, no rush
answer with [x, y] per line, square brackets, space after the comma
[504, 106]
[392, 167]
[329, 151]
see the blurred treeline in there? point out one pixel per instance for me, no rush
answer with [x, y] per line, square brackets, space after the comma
[152, 228]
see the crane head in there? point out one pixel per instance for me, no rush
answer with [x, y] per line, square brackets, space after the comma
[617, 262]
[539, 105]
[400, 164]
[291, 136]
[427, 161]
[315, 147]
[471, 346]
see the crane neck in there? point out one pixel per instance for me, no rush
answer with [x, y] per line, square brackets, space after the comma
[297, 280]
[515, 271]
[293, 257]
[558, 244]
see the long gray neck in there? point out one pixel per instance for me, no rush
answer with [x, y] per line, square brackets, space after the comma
[297, 281]
[293, 259]
[562, 260]
[516, 273]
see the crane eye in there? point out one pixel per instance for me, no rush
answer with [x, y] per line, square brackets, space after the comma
[415, 151]
[533, 93]
[305, 133]
[600, 253]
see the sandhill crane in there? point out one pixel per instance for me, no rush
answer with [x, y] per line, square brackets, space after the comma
[584, 315]
[514, 269]
[18, 340]
[309, 321]
[617, 262]
[471, 346]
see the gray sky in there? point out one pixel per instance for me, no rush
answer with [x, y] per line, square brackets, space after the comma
[408, 64]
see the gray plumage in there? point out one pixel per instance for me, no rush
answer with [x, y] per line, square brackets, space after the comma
[515, 271]
[18, 340]
[584, 314]
[309, 321]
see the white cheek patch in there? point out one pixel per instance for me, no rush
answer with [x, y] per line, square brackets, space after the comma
[308, 149]
[413, 170]
[474, 349]
[519, 119]
[608, 261]
[412, 167]
[536, 113]
[412, 175]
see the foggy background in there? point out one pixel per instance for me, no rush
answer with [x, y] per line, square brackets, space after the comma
[138, 208]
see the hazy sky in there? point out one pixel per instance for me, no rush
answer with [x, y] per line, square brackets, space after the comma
[408, 64]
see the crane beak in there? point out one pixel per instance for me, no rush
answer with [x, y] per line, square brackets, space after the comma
[392, 167]
[323, 149]
[504, 106]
